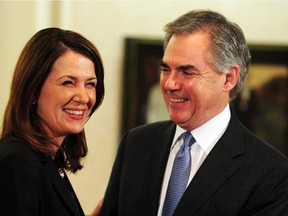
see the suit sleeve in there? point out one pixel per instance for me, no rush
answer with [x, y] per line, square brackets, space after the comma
[19, 186]
[271, 195]
[111, 199]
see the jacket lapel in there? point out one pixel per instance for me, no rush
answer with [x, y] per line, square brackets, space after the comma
[149, 167]
[162, 143]
[59, 186]
[218, 167]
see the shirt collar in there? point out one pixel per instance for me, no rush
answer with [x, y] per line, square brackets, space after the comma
[209, 133]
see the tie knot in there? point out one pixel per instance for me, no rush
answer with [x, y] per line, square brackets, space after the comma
[188, 138]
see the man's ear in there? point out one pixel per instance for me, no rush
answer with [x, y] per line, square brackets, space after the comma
[231, 78]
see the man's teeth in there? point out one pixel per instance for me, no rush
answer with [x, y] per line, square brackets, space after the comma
[74, 112]
[176, 100]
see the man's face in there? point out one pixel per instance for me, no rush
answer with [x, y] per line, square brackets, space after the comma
[193, 90]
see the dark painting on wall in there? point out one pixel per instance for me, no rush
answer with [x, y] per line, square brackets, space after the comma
[262, 105]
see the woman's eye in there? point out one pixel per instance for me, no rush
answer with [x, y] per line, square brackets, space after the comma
[67, 82]
[92, 84]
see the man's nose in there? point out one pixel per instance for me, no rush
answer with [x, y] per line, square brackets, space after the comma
[173, 81]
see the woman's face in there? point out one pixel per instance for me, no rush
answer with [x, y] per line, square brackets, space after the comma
[67, 96]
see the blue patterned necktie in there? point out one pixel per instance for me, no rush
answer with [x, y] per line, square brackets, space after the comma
[179, 175]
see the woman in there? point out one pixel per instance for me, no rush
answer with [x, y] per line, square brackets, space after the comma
[56, 87]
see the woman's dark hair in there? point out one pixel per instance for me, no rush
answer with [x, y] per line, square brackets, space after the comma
[34, 65]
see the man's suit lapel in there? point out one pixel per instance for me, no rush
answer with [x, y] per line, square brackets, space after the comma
[60, 187]
[218, 167]
[162, 140]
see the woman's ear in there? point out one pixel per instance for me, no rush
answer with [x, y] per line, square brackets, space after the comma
[231, 78]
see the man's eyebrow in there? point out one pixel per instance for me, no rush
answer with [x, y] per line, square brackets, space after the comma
[163, 64]
[186, 67]
[179, 68]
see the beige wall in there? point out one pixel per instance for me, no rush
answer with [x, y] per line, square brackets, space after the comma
[107, 23]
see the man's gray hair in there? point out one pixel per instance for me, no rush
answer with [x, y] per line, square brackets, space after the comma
[228, 43]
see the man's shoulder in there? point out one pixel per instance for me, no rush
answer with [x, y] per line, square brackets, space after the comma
[255, 146]
[155, 126]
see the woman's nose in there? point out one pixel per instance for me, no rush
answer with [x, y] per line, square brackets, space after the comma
[81, 95]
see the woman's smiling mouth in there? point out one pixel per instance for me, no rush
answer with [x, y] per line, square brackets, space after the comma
[74, 112]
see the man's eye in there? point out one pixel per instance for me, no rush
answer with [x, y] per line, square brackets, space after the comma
[188, 73]
[164, 69]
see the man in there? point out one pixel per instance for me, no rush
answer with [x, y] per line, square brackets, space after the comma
[230, 170]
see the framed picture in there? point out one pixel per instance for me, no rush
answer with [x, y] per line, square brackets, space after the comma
[262, 105]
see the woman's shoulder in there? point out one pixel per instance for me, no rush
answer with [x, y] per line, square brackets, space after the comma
[13, 145]
[17, 151]
[20, 166]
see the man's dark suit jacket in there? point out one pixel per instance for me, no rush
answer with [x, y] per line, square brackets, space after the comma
[30, 184]
[242, 175]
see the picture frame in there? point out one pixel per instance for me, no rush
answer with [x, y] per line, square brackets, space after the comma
[269, 67]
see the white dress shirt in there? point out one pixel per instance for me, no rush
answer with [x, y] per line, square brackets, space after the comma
[206, 137]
